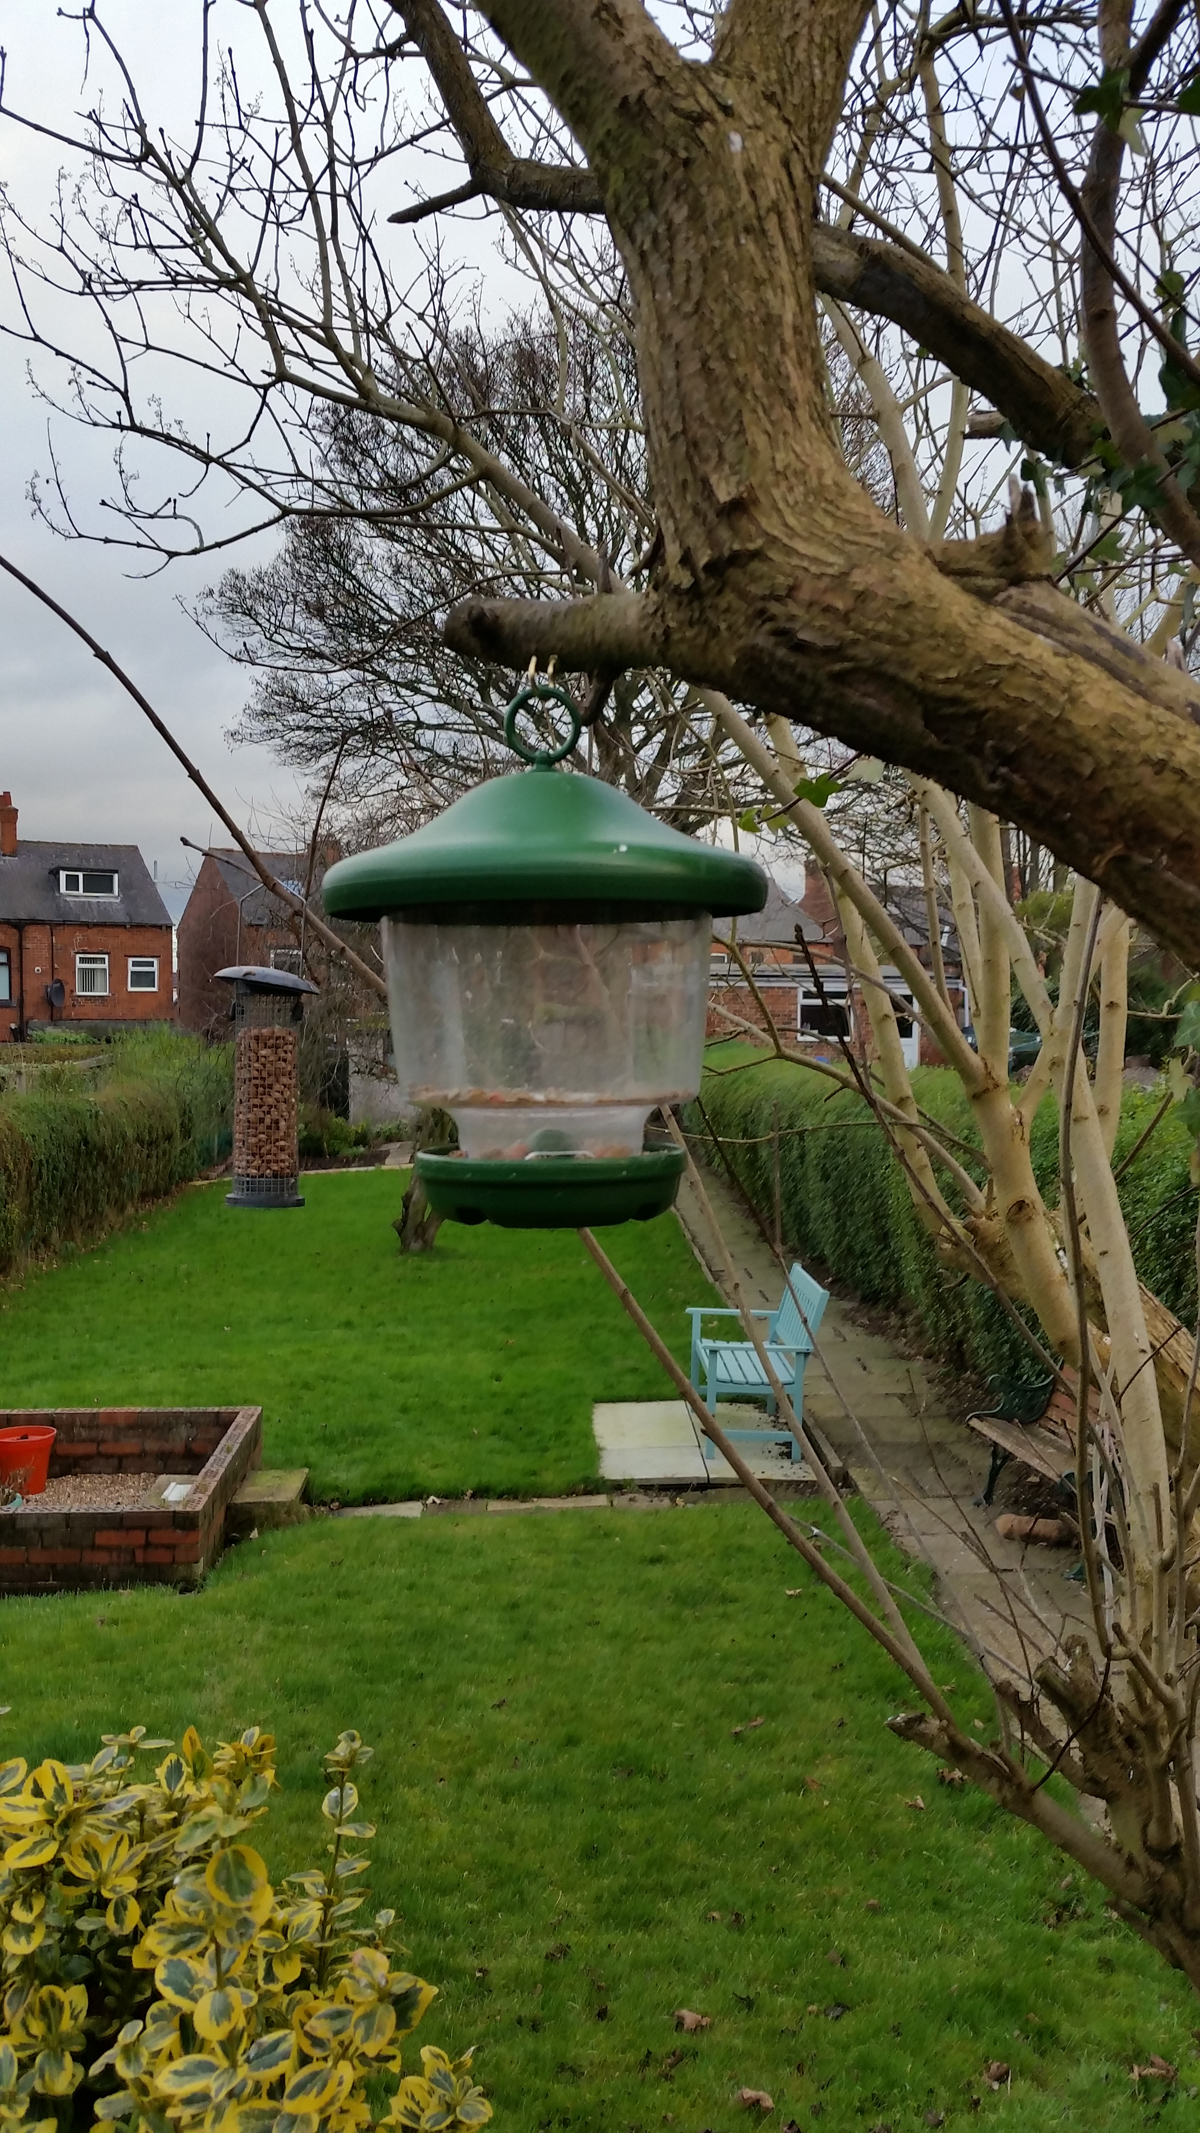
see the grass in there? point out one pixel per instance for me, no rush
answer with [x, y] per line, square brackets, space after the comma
[567, 1821]
[473, 1366]
[563, 1804]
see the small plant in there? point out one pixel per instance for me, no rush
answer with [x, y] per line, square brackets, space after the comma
[324, 1133]
[134, 1915]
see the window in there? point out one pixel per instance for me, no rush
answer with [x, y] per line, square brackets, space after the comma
[5, 975]
[828, 1017]
[824, 1018]
[91, 976]
[288, 959]
[143, 973]
[87, 881]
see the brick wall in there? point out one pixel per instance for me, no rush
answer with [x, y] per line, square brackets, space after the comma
[781, 1001]
[40, 953]
[42, 1550]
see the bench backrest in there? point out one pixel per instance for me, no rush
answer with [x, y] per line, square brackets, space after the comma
[789, 1329]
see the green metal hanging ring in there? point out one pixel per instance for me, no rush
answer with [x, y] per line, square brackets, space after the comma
[541, 692]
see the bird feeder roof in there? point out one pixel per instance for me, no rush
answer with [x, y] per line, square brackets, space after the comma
[545, 837]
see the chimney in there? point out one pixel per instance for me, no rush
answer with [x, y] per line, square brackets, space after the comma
[8, 827]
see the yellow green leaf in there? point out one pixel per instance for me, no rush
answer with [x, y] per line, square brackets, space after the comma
[411, 1998]
[373, 2028]
[124, 1913]
[181, 1980]
[31, 1851]
[236, 1876]
[51, 1782]
[21, 1938]
[318, 2088]
[217, 2013]
[172, 1774]
[55, 2073]
[270, 2054]
[189, 2078]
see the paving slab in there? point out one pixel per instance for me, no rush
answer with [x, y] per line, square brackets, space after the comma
[382, 1510]
[547, 1503]
[657, 1441]
[270, 1496]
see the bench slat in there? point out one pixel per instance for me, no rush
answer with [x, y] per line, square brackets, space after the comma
[1048, 1451]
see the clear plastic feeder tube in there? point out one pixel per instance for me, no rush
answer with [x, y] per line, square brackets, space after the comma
[545, 1039]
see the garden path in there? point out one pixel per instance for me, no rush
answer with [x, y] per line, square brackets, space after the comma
[892, 1418]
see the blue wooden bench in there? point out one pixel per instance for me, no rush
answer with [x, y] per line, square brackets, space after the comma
[731, 1370]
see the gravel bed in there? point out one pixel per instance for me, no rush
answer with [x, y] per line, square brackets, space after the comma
[93, 1492]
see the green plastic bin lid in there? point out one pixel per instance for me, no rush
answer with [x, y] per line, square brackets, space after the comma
[541, 837]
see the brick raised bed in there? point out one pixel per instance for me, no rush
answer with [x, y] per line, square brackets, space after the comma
[161, 1543]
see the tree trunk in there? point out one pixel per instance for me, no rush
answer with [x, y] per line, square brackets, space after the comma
[417, 1225]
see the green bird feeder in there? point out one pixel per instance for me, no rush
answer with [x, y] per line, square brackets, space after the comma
[546, 944]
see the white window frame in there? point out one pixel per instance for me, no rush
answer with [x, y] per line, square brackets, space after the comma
[141, 962]
[89, 963]
[6, 977]
[290, 959]
[70, 883]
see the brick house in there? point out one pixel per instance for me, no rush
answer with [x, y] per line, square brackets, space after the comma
[230, 918]
[85, 937]
[773, 942]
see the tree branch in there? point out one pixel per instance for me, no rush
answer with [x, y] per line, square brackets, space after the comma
[1047, 411]
[1045, 408]
[1130, 430]
[539, 188]
[1042, 608]
[602, 632]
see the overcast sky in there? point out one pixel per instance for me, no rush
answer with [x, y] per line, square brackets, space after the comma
[77, 755]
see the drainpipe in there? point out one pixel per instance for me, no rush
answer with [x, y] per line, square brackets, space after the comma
[237, 953]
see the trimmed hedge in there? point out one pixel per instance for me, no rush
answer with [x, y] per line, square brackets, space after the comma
[85, 1147]
[845, 1202]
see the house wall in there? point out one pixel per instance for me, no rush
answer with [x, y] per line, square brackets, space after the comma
[782, 1002]
[40, 953]
[209, 940]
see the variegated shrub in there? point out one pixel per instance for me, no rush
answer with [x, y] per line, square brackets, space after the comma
[134, 1914]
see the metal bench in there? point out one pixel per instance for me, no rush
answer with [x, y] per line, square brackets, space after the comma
[1032, 1420]
[731, 1370]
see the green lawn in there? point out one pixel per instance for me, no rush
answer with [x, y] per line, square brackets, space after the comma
[561, 1797]
[472, 1366]
[553, 1701]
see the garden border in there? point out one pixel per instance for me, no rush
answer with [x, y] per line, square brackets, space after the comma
[44, 1550]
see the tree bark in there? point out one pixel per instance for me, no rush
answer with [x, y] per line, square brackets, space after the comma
[777, 579]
